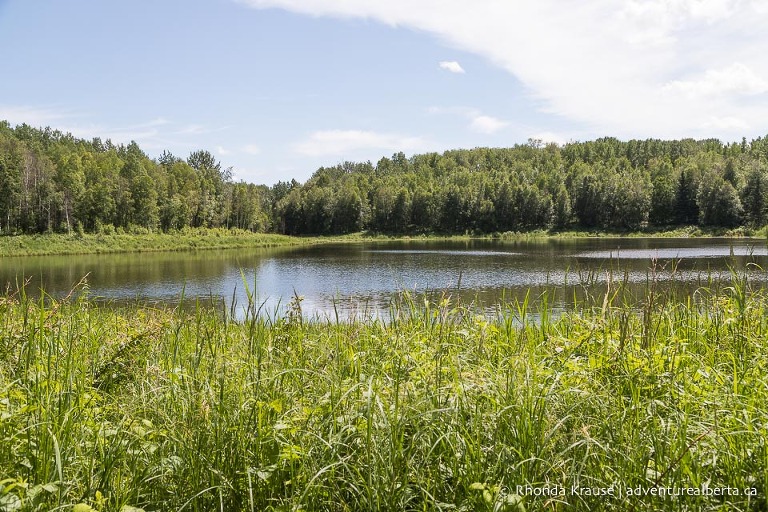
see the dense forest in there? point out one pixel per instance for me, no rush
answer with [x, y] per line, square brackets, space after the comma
[53, 182]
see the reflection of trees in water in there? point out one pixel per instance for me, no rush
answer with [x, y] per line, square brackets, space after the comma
[357, 278]
[59, 273]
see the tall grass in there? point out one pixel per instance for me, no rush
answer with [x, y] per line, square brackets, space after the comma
[437, 408]
[184, 240]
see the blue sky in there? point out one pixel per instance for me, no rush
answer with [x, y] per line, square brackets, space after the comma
[278, 88]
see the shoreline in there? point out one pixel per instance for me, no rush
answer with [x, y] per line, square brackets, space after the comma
[192, 240]
[211, 239]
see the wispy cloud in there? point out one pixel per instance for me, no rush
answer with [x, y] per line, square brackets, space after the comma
[33, 116]
[251, 149]
[193, 129]
[156, 134]
[659, 22]
[631, 68]
[221, 151]
[726, 123]
[148, 133]
[160, 121]
[452, 66]
[736, 79]
[487, 124]
[478, 122]
[345, 142]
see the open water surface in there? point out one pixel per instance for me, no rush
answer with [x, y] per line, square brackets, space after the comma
[363, 278]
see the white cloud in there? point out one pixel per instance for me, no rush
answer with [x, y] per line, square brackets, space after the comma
[606, 64]
[193, 129]
[726, 123]
[33, 116]
[251, 149]
[452, 66]
[222, 151]
[156, 134]
[448, 110]
[760, 6]
[160, 121]
[345, 142]
[478, 122]
[735, 79]
[487, 124]
[655, 22]
[148, 134]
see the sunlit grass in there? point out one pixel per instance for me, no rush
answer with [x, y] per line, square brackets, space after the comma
[187, 239]
[437, 408]
[220, 238]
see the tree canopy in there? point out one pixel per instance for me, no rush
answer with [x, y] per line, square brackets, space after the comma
[52, 181]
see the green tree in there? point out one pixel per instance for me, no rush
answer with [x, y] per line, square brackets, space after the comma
[291, 212]
[626, 200]
[533, 208]
[504, 208]
[425, 209]
[453, 214]
[97, 205]
[245, 212]
[719, 203]
[349, 211]
[211, 183]
[561, 208]
[70, 184]
[588, 201]
[686, 210]
[664, 189]
[11, 163]
[37, 192]
[318, 210]
[145, 210]
[753, 197]
[383, 208]
[401, 211]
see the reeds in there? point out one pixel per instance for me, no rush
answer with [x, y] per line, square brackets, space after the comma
[438, 408]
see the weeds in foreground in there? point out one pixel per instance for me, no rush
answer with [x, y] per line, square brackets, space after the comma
[436, 409]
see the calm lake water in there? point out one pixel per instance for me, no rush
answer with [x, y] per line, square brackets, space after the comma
[361, 279]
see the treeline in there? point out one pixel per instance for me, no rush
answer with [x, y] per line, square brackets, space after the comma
[51, 181]
[605, 184]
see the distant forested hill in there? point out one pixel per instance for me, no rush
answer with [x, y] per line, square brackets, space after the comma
[51, 181]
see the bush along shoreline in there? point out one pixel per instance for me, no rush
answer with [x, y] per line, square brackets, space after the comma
[436, 409]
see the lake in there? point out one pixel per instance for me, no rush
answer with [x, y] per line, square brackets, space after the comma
[362, 278]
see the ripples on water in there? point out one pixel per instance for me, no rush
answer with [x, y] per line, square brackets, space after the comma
[444, 252]
[362, 279]
[676, 253]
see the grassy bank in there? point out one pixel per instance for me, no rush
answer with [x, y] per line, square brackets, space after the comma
[199, 239]
[680, 232]
[438, 409]
[188, 239]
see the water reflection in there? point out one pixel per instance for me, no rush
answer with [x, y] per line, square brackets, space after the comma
[361, 279]
[677, 253]
[463, 253]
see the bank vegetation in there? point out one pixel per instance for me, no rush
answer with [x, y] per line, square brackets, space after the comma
[436, 408]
